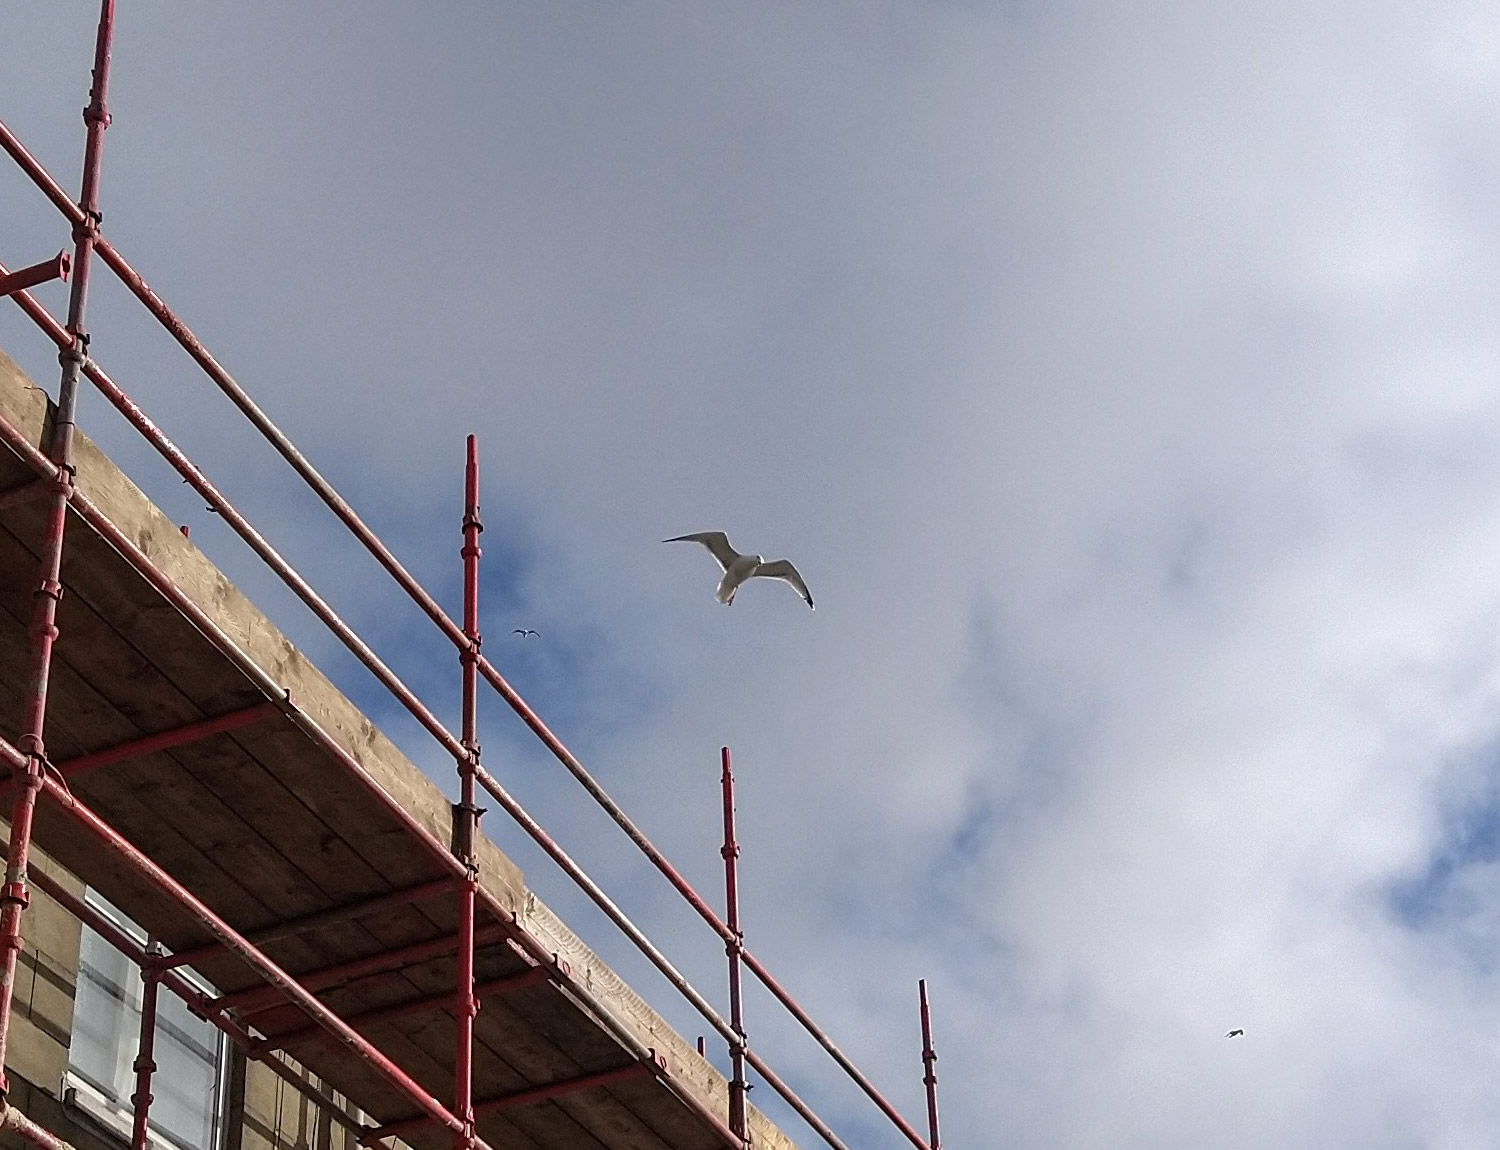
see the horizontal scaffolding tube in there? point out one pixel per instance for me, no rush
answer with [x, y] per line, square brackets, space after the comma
[531, 977]
[684, 888]
[519, 1098]
[332, 917]
[164, 740]
[54, 269]
[12, 1121]
[262, 998]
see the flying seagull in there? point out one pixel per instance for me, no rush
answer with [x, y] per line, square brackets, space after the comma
[1235, 1034]
[738, 568]
[525, 632]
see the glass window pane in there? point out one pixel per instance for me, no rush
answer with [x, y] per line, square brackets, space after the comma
[184, 1087]
[106, 1018]
[106, 1030]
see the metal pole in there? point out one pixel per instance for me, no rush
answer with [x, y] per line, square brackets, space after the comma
[145, 1065]
[14, 895]
[466, 822]
[54, 269]
[12, 1121]
[731, 853]
[929, 1064]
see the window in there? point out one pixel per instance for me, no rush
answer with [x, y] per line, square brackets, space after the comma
[188, 1086]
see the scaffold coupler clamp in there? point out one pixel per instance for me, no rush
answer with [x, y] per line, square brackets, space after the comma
[76, 351]
[465, 827]
[15, 893]
[88, 227]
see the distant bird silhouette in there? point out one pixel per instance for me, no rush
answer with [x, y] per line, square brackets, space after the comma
[1235, 1034]
[738, 568]
[525, 633]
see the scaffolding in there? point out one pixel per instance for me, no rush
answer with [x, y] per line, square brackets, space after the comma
[482, 919]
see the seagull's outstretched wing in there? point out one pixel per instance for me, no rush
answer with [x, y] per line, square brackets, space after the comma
[716, 542]
[783, 569]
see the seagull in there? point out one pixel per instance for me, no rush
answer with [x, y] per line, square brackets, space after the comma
[525, 632]
[738, 568]
[1235, 1034]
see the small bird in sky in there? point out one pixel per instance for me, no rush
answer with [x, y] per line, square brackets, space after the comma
[1235, 1034]
[738, 568]
[525, 633]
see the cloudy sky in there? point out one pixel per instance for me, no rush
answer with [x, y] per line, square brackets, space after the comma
[1124, 385]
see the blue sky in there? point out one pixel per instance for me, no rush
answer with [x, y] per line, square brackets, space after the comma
[1123, 384]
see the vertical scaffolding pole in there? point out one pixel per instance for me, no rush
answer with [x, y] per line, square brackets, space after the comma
[467, 821]
[145, 1054]
[929, 1068]
[732, 947]
[15, 894]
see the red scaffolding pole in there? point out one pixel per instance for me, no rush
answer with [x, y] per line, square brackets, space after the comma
[54, 269]
[466, 815]
[732, 948]
[145, 1064]
[929, 1067]
[14, 895]
[482, 990]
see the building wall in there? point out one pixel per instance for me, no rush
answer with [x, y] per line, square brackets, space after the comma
[267, 1113]
[46, 979]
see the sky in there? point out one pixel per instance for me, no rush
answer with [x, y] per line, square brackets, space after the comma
[1122, 380]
